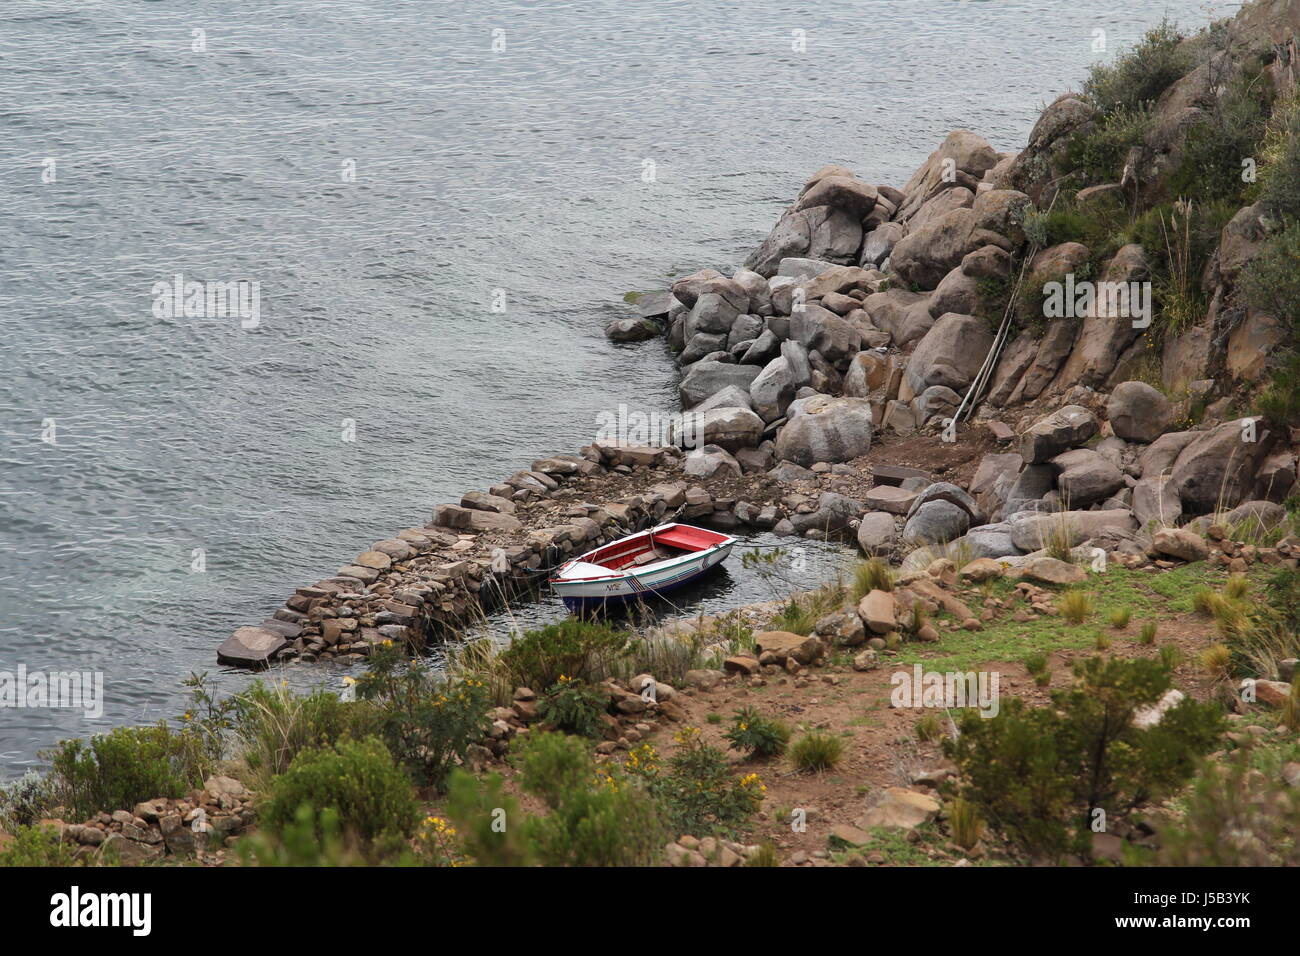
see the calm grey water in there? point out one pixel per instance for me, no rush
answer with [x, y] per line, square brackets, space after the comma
[381, 172]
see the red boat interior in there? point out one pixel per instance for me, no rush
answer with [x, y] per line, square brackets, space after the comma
[680, 539]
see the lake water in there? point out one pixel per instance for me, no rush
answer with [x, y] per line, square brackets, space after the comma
[391, 181]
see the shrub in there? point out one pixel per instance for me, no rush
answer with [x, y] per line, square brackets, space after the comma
[1099, 151]
[795, 618]
[1280, 169]
[1280, 401]
[490, 824]
[697, 791]
[1035, 663]
[1227, 822]
[272, 725]
[573, 647]
[574, 707]
[756, 735]
[597, 817]
[1038, 774]
[428, 720]
[1075, 606]
[928, 728]
[124, 767]
[1138, 76]
[309, 839]
[814, 752]
[967, 827]
[872, 575]
[1215, 661]
[1230, 131]
[37, 846]
[356, 779]
[26, 800]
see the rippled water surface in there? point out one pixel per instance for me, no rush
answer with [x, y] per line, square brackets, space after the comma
[518, 170]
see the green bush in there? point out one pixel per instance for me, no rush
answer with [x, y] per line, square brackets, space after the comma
[356, 779]
[272, 725]
[574, 707]
[698, 792]
[26, 800]
[429, 721]
[1280, 172]
[309, 839]
[815, 752]
[573, 648]
[493, 830]
[37, 846]
[756, 735]
[596, 817]
[1038, 775]
[1138, 76]
[1100, 150]
[1229, 822]
[117, 770]
[1229, 132]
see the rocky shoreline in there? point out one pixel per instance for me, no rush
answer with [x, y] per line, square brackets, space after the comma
[871, 312]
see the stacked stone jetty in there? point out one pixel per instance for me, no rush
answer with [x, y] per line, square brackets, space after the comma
[427, 583]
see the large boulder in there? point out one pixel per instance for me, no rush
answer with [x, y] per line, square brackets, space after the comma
[824, 223]
[825, 429]
[1035, 171]
[1086, 477]
[1218, 469]
[961, 161]
[773, 388]
[936, 521]
[707, 377]
[1156, 503]
[1053, 349]
[835, 514]
[1060, 431]
[251, 647]
[1110, 325]
[732, 428]
[1158, 458]
[877, 534]
[1138, 412]
[1031, 531]
[688, 289]
[994, 478]
[819, 329]
[950, 354]
[925, 255]
[987, 541]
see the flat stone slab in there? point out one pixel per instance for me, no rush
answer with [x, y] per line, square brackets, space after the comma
[251, 647]
[895, 474]
[889, 498]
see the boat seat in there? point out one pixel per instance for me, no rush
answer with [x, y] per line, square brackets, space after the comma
[650, 557]
[688, 538]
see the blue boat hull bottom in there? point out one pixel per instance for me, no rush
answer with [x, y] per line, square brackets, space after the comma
[594, 605]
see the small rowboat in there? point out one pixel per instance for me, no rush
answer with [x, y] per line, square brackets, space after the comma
[639, 566]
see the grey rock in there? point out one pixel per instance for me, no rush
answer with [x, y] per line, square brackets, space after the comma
[1138, 412]
[1057, 432]
[825, 429]
[706, 378]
